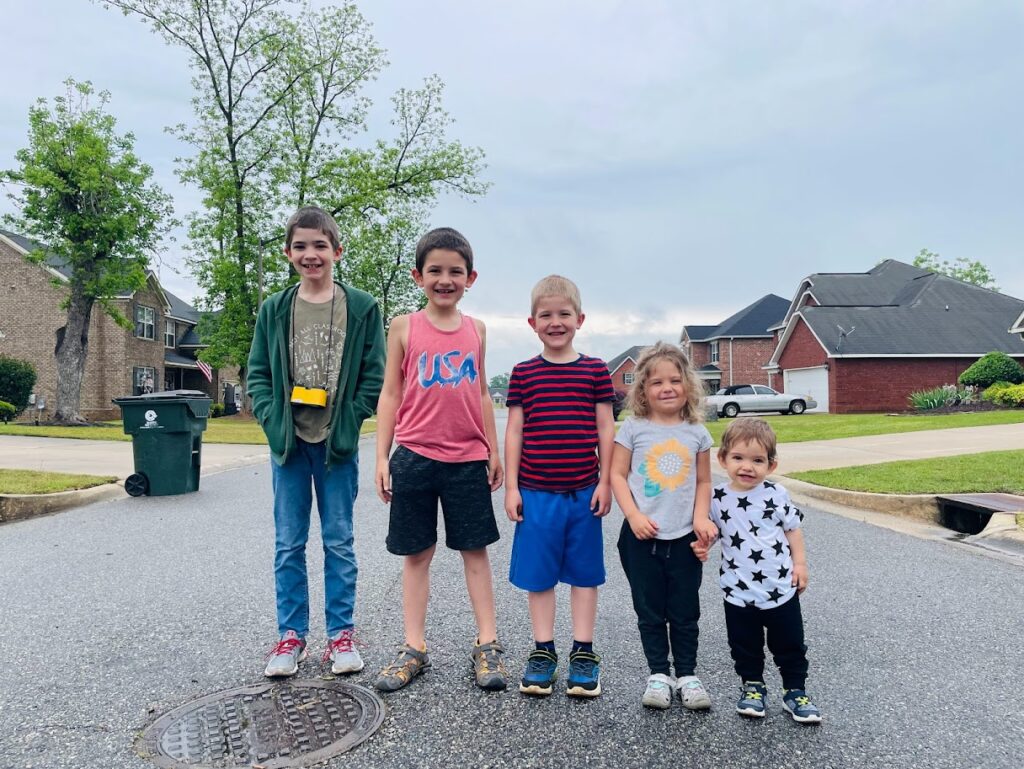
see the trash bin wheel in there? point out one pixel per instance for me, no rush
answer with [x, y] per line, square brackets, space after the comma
[136, 484]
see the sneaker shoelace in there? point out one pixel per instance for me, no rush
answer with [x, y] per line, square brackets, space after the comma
[537, 663]
[284, 646]
[342, 644]
[583, 663]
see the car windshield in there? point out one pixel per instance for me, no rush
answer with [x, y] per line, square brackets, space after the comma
[721, 391]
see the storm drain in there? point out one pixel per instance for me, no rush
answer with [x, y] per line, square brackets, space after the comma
[271, 725]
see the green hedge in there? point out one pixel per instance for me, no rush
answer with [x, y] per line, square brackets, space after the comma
[992, 368]
[1005, 394]
[7, 411]
[17, 378]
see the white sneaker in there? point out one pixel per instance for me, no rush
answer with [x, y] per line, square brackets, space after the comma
[343, 655]
[692, 693]
[284, 658]
[658, 693]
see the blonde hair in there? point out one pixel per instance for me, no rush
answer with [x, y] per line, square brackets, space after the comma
[555, 285]
[692, 410]
[749, 430]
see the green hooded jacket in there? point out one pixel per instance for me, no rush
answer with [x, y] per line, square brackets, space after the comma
[359, 379]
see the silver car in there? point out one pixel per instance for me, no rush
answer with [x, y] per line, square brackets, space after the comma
[730, 401]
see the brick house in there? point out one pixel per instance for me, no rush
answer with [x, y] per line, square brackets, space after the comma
[622, 366]
[158, 353]
[738, 349]
[860, 342]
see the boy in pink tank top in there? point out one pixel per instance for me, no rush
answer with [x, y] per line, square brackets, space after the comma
[435, 405]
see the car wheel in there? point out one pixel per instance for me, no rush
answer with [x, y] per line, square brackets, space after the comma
[797, 407]
[730, 410]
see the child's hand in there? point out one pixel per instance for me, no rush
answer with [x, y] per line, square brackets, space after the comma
[642, 526]
[706, 532]
[513, 505]
[601, 501]
[700, 550]
[383, 481]
[800, 577]
[495, 472]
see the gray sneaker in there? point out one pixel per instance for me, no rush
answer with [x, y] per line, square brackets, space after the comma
[343, 655]
[693, 694]
[659, 692]
[283, 660]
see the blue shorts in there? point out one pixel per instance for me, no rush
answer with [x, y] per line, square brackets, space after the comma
[558, 540]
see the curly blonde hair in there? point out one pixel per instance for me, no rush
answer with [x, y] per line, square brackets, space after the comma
[692, 410]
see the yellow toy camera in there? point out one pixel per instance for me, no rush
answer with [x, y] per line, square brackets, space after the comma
[309, 396]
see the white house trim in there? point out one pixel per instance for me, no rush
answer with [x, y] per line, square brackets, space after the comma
[621, 364]
[53, 273]
[790, 325]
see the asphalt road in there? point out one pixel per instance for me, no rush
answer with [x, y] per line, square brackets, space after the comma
[117, 612]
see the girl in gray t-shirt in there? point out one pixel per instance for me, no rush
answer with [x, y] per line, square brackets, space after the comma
[661, 478]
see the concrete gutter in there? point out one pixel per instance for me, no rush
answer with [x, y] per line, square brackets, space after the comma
[922, 507]
[17, 507]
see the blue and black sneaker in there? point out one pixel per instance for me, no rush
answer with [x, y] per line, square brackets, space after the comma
[800, 706]
[584, 674]
[541, 672]
[752, 697]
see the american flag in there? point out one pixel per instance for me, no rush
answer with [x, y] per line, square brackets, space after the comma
[205, 368]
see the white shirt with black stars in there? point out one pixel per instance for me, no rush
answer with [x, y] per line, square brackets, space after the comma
[757, 567]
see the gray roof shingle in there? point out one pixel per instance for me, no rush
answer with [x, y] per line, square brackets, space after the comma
[752, 321]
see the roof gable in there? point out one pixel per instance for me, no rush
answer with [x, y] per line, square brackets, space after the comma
[753, 320]
[633, 353]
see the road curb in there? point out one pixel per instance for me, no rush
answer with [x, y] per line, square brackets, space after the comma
[18, 507]
[922, 507]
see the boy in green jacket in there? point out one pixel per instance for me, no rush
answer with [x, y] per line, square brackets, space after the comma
[315, 370]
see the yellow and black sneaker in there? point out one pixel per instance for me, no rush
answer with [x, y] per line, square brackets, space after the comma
[487, 666]
[540, 674]
[408, 664]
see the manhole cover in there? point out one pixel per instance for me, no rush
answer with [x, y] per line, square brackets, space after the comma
[273, 725]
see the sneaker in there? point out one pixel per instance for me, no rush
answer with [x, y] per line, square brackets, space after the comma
[541, 672]
[693, 694]
[283, 660]
[343, 655]
[658, 693]
[800, 706]
[584, 678]
[408, 664]
[751, 702]
[488, 668]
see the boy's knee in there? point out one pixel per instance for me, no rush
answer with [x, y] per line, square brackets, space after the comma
[420, 559]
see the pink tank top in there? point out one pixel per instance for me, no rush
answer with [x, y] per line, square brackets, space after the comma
[441, 416]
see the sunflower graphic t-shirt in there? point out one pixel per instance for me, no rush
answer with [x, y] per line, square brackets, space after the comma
[663, 472]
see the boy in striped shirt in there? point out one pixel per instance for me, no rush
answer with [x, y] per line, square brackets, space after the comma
[558, 449]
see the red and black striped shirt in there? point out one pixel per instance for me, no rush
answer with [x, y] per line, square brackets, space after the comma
[559, 420]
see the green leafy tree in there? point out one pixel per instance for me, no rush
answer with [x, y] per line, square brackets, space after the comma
[81, 190]
[967, 270]
[278, 103]
[499, 380]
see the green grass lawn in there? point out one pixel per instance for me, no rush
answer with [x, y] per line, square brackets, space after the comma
[991, 471]
[233, 429]
[36, 482]
[820, 427]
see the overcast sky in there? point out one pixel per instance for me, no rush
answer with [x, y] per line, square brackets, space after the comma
[678, 160]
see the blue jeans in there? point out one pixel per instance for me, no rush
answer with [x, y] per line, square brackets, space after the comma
[336, 489]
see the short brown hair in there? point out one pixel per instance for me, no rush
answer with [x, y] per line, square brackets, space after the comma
[637, 401]
[445, 238]
[749, 430]
[555, 285]
[313, 218]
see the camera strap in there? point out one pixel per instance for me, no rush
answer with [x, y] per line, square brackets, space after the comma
[330, 340]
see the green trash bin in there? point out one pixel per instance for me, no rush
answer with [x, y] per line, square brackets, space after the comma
[167, 440]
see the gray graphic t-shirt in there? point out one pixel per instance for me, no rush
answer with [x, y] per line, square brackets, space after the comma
[316, 360]
[757, 567]
[663, 471]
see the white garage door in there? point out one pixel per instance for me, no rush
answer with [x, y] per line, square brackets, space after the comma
[808, 381]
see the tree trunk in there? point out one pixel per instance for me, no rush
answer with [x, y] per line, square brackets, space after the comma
[246, 402]
[72, 348]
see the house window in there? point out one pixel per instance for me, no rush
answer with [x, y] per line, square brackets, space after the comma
[627, 378]
[714, 352]
[169, 333]
[144, 322]
[143, 380]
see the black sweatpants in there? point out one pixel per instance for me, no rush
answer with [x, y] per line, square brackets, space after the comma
[664, 577]
[784, 627]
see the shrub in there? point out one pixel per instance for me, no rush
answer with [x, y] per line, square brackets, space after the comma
[992, 368]
[1006, 394]
[946, 395]
[216, 410]
[7, 411]
[17, 378]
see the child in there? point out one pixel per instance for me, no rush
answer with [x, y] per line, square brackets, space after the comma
[560, 412]
[764, 570]
[435, 405]
[661, 476]
[315, 369]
